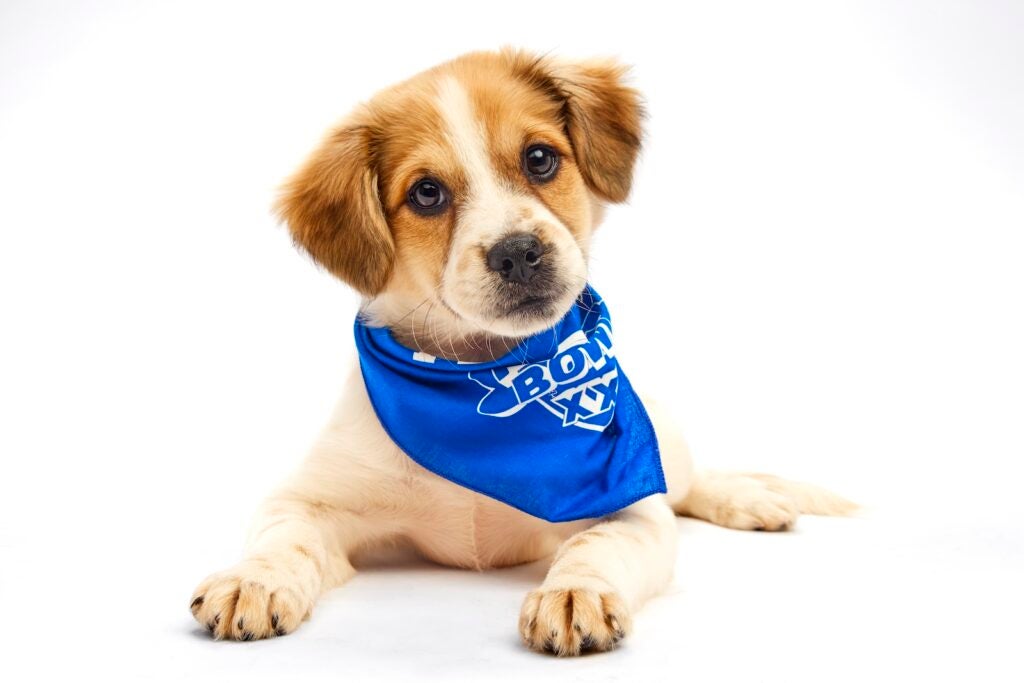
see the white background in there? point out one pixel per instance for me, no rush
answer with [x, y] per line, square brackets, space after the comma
[820, 270]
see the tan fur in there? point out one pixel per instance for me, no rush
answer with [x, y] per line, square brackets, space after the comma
[466, 124]
[332, 207]
[603, 117]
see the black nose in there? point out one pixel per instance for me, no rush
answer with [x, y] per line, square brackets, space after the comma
[516, 257]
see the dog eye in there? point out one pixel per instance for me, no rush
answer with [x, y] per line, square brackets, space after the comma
[540, 162]
[428, 196]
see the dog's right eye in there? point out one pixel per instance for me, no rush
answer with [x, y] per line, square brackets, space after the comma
[428, 197]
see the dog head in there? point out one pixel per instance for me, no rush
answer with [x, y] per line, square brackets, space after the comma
[461, 202]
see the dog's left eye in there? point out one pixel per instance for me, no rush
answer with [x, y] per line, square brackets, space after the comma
[540, 163]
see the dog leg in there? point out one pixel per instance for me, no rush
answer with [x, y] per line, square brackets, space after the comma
[735, 500]
[295, 553]
[757, 501]
[347, 495]
[599, 577]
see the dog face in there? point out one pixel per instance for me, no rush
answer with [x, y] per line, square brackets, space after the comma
[462, 201]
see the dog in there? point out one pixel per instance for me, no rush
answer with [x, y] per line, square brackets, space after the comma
[461, 204]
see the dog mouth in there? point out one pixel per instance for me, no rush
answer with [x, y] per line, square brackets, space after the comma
[529, 306]
[531, 303]
[533, 306]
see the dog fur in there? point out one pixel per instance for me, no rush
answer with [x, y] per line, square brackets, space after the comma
[465, 124]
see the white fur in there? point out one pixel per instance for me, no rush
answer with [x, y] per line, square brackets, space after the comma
[491, 211]
[357, 491]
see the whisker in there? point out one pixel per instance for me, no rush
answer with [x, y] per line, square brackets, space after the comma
[414, 309]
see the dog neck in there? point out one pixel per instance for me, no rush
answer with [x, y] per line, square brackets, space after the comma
[430, 327]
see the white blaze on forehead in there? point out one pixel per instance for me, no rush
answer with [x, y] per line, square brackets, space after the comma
[468, 140]
[490, 210]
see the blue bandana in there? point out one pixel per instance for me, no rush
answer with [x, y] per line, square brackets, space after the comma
[552, 428]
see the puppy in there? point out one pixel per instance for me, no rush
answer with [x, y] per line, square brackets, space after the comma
[461, 205]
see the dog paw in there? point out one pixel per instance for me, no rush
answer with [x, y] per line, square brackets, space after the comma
[250, 601]
[740, 501]
[756, 508]
[568, 622]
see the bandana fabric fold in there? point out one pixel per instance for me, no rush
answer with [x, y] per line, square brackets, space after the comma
[552, 428]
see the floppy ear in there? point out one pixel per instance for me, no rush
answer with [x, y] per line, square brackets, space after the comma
[333, 210]
[602, 115]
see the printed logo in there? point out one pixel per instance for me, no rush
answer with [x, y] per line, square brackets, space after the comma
[579, 384]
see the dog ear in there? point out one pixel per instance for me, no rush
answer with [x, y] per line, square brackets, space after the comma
[333, 209]
[603, 116]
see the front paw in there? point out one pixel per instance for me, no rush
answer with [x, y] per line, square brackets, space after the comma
[570, 621]
[252, 600]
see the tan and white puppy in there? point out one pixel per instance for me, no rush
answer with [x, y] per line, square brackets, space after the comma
[461, 204]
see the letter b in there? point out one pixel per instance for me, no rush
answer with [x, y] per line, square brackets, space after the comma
[531, 383]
